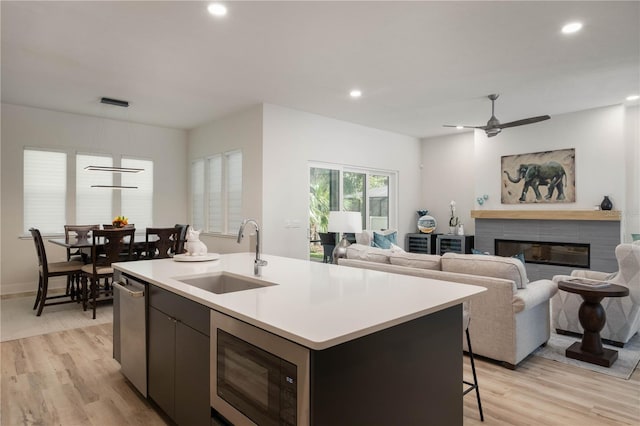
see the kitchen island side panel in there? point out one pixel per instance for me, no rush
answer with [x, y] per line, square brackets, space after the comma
[410, 374]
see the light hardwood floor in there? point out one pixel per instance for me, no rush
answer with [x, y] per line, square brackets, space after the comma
[70, 378]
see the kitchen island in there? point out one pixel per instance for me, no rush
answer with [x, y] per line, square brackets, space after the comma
[384, 348]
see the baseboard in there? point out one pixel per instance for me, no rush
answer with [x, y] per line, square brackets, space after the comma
[9, 290]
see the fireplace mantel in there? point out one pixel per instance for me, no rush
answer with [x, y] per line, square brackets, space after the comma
[605, 215]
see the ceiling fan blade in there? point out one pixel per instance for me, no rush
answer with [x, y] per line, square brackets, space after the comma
[464, 127]
[524, 121]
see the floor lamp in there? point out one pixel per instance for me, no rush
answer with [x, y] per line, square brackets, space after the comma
[344, 222]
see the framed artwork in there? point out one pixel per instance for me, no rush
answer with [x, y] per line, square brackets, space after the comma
[539, 177]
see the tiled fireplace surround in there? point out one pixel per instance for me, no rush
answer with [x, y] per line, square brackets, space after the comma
[602, 234]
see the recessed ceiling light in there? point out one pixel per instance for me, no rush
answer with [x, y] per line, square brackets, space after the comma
[217, 9]
[633, 97]
[355, 93]
[572, 27]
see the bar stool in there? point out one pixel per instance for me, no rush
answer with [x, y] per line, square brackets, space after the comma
[471, 386]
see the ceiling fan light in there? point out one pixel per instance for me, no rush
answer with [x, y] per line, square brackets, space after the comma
[459, 127]
[633, 97]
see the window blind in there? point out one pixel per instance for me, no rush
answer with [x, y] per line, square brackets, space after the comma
[234, 190]
[45, 191]
[137, 204]
[197, 194]
[215, 223]
[93, 205]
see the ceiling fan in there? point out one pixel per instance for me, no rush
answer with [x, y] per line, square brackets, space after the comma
[494, 126]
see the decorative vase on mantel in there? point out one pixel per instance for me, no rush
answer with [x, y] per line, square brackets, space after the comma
[606, 203]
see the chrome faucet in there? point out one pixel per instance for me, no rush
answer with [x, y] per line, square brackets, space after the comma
[258, 263]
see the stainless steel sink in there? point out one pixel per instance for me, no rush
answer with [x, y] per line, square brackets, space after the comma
[223, 282]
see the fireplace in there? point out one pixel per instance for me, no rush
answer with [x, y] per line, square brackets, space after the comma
[598, 231]
[573, 255]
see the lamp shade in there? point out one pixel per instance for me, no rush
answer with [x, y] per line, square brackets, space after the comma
[345, 222]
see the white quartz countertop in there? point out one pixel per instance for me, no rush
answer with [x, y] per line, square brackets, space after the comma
[314, 304]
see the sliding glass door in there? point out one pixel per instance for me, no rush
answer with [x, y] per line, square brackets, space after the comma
[335, 187]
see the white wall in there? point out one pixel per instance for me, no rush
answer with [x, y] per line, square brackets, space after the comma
[632, 157]
[448, 173]
[607, 162]
[292, 139]
[242, 130]
[39, 128]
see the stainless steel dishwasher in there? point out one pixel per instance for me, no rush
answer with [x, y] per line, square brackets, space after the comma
[130, 309]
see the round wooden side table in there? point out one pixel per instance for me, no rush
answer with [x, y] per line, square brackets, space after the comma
[592, 318]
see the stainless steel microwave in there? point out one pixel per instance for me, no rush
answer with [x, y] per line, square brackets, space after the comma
[257, 378]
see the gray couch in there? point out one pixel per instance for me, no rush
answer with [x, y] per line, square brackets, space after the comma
[508, 322]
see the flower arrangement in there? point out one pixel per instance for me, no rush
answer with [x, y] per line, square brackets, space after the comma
[120, 221]
[453, 220]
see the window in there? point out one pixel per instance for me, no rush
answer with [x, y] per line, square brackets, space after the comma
[45, 190]
[137, 204]
[197, 194]
[216, 193]
[335, 187]
[234, 190]
[49, 188]
[93, 205]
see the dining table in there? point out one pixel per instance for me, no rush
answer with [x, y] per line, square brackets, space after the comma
[139, 244]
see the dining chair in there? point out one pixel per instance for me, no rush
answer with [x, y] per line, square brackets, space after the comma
[109, 246]
[164, 245]
[328, 241]
[79, 232]
[182, 238]
[47, 270]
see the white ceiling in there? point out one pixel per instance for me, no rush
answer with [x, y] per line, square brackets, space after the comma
[419, 64]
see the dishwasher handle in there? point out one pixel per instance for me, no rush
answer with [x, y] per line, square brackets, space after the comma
[132, 293]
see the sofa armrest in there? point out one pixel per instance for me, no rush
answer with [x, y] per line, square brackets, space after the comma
[537, 292]
[594, 275]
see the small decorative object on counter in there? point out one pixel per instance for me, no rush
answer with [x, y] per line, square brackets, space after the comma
[460, 229]
[453, 220]
[606, 203]
[120, 222]
[426, 223]
[194, 246]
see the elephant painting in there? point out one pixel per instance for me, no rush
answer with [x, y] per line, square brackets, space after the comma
[549, 174]
[552, 169]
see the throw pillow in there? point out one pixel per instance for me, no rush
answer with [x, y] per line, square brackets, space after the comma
[384, 241]
[365, 238]
[519, 256]
[475, 251]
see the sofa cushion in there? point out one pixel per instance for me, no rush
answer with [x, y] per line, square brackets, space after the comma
[366, 236]
[416, 260]
[371, 254]
[486, 265]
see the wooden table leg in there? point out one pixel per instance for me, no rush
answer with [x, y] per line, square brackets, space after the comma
[592, 318]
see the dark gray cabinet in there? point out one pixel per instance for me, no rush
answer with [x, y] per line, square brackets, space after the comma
[179, 357]
[454, 243]
[420, 243]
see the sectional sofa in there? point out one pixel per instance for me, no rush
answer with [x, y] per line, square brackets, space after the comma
[508, 322]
